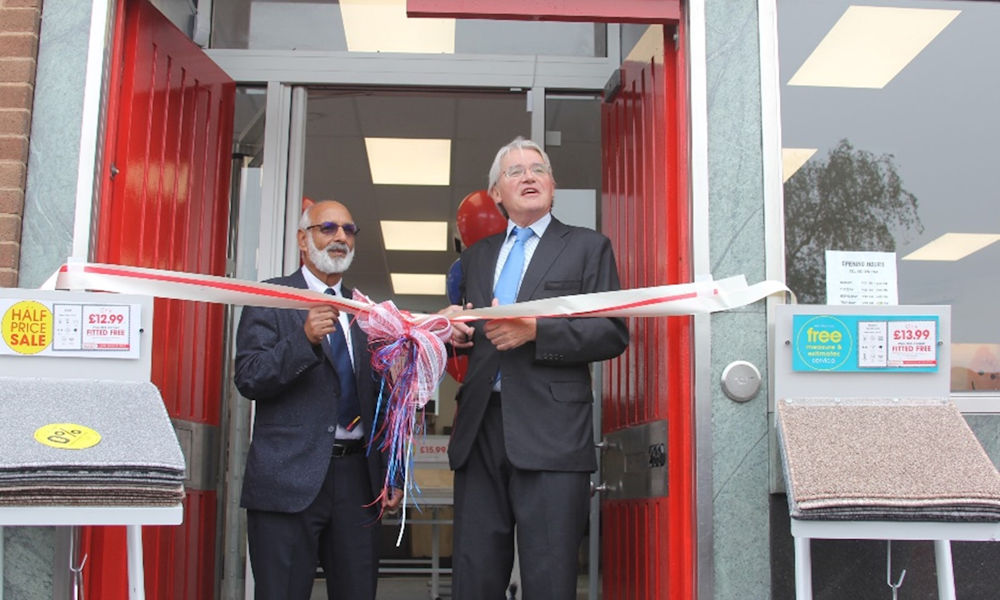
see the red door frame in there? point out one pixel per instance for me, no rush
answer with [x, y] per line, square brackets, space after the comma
[626, 391]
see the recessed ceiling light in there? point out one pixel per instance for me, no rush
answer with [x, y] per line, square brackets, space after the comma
[792, 160]
[420, 284]
[953, 246]
[382, 26]
[409, 161]
[869, 45]
[415, 235]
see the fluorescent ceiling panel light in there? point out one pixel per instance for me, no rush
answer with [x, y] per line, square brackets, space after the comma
[419, 284]
[792, 160]
[869, 45]
[408, 161]
[953, 246]
[382, 26]
[415, 235]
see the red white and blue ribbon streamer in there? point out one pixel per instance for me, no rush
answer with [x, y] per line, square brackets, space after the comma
[410, 355]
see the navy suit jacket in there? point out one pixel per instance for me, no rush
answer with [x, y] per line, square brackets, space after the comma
[547, 400]
[296, 389]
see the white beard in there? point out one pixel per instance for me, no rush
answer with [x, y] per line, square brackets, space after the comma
[326, 263]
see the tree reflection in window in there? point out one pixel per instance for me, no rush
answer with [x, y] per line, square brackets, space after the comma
[854, 200]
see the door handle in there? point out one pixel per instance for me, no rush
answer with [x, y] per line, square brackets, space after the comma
[602, 488]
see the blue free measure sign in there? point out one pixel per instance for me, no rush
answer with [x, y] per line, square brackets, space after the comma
[859, 343]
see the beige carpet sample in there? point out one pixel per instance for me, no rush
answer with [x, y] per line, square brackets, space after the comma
[884, 459]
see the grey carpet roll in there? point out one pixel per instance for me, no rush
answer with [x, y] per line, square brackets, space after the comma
[884, 459]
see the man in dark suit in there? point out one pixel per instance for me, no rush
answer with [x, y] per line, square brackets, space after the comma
[522, 444]
[310, 485]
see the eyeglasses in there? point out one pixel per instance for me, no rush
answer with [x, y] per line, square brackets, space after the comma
[330, 228]
[517, 171]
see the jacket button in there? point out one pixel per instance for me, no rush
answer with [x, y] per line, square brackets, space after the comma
[331, 429]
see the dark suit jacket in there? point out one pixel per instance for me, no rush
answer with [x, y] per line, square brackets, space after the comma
[295, 388]
[546, 388]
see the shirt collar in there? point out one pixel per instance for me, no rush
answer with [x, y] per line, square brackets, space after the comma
[318, 286]
[538, 227]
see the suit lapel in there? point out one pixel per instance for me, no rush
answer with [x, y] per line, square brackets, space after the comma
[550, 246]
[484, 277]
[298, 280]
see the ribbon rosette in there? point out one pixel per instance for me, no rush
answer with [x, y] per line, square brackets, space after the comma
[410, 355]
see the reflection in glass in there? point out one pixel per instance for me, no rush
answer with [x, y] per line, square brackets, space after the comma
[248, 124]
[852, 200]
[975, 367]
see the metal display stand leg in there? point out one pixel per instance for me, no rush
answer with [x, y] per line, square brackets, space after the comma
[803, 569]
[136, 578]
[945, 569]
[435, 556]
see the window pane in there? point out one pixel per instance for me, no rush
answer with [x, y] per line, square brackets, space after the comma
[358, 26]
[891, 146]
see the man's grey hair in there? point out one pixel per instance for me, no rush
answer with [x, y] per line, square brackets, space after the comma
[305, 220]
[519, 143]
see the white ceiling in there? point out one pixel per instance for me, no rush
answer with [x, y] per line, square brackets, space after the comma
[477, 123]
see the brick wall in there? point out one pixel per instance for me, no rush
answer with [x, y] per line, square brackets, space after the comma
[19, 23]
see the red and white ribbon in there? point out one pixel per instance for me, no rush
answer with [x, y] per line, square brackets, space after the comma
[700, 297]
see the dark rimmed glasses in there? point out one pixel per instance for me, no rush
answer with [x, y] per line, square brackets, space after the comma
[330, 228]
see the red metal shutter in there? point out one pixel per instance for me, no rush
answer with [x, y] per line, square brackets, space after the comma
[165, 203]
[648, 545]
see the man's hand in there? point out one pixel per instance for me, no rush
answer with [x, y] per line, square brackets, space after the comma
[507, 334]
[391, 500]
[320, 322]
[461, 333]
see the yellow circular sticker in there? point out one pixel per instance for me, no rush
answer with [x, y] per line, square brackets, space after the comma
[67, 435]
[27, 327]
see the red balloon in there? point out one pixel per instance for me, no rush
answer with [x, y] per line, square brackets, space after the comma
[456, 366]
[478, 217]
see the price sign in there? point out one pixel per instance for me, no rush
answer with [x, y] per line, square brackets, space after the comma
[865, 343]
[57, 325]
[105, 327]
[67, 436]
[912, 343]
[432, 448]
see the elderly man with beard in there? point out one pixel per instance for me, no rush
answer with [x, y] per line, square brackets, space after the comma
[310, 485]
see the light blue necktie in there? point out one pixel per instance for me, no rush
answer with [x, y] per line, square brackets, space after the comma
[510, 276]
